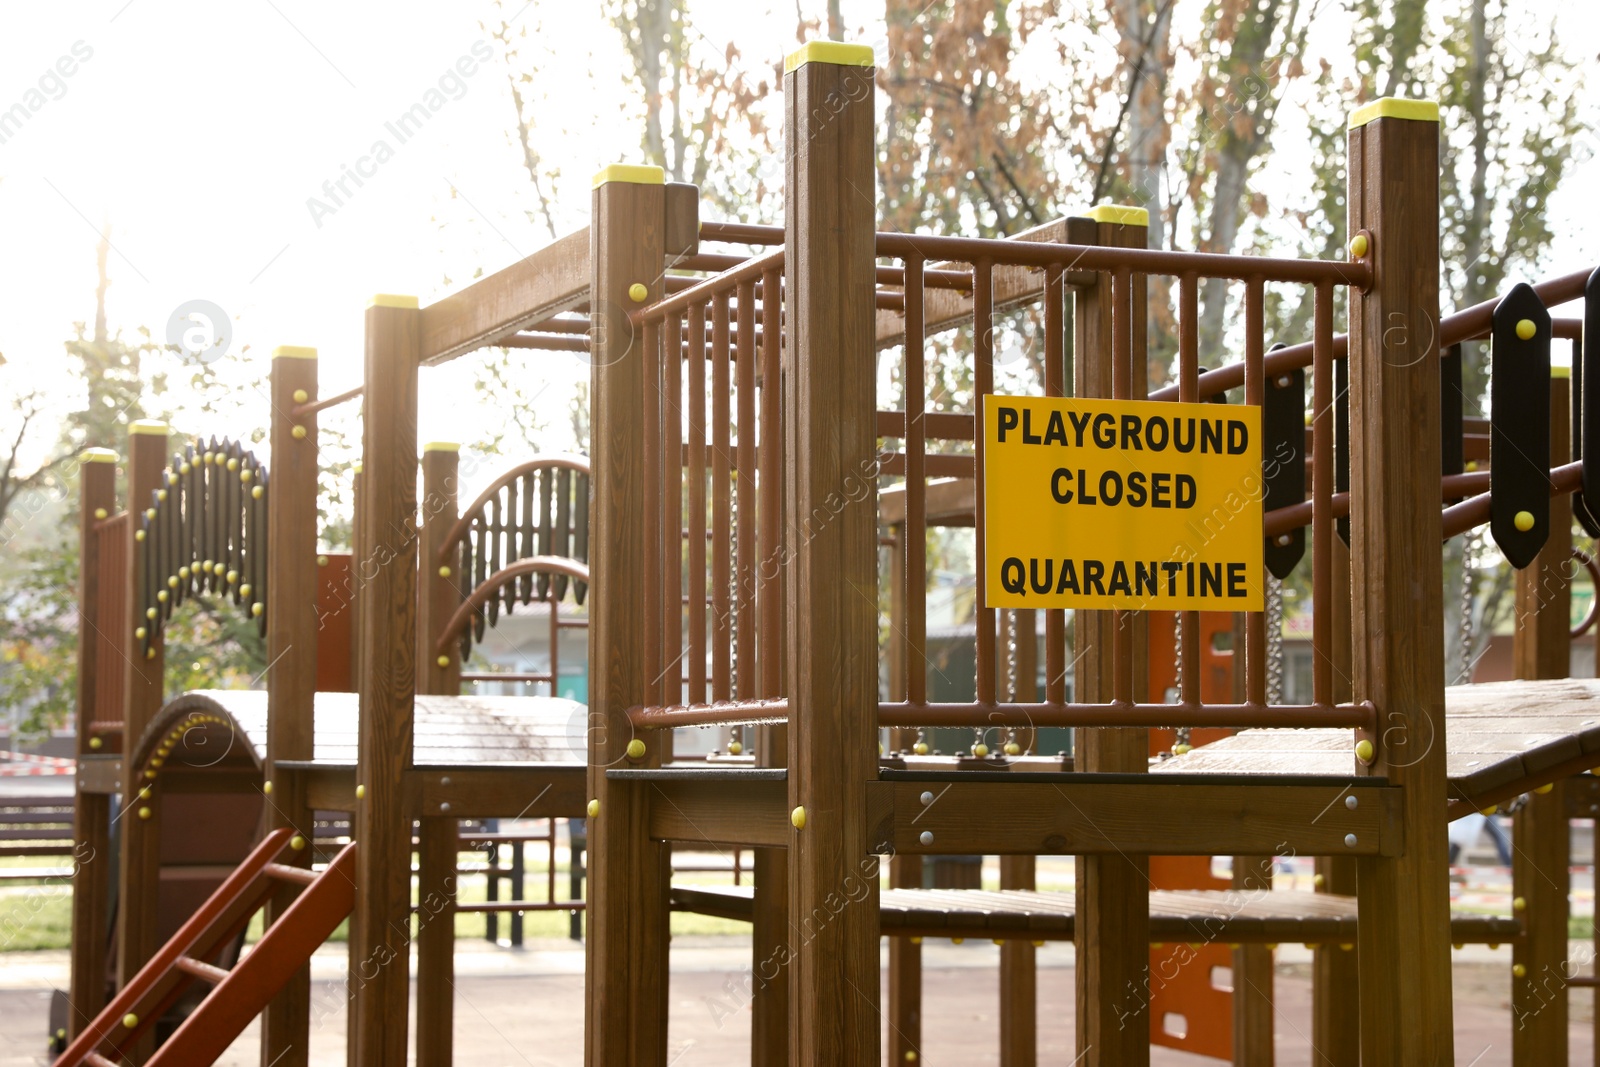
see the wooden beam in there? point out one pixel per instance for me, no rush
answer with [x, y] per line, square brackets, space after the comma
[724, 813]
[905, 973]
[1113, 961]
[1129, 817]
[436, 940]
[1019, 980]
[625, 1017]
[439, 589]
[386, 547]
[950, 502]
[143, 689]
[1540, 876]
[91, 811]
[552, 280]
[291, 600]
[1253, 974]
[830, 218]
[1397, 615]
[531, 791]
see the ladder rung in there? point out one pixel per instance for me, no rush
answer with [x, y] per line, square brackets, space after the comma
[206, 972]
[94, 1059]
[284, 873]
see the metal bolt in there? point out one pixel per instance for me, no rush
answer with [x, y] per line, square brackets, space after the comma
[1349, 840]
[927, 798]
[1351, 802]
[927, 837]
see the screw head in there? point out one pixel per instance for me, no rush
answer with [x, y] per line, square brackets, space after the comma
[926, 798]
[926, 837]
[1351, 802]
[1349, 840]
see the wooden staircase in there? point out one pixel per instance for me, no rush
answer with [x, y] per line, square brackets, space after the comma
[237, 995]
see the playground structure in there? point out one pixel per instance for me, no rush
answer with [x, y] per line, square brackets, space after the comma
[729, 520]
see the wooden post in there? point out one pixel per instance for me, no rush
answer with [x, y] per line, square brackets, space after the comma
[1540, 875]
[91, 813]
[905, 973]
[625, 1018]
[1113, 892]
[139, 873]
[292, 661]
[1397, 617]
[1335, 977]
[439, 836]
[1253, 974]
[386, 570]
[829, 272]
[1019, 979]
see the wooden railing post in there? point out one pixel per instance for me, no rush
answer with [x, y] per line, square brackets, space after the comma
[138, 874]
[1335, 975]
[1397, 614]
[291, 600]
[439, 594]
[1540, 875]
[91, 815]
[625, 1016]
[1113, 891]
[386, 571]
[830, 218]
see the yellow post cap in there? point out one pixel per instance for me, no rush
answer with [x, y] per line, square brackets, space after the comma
[1559, 371]
[1394, 107]
[154, 427]
[441, 446]
[392, 300]
[97, 455]
[1120, 214]
[836, 52]
[295, 352]
[631, 173]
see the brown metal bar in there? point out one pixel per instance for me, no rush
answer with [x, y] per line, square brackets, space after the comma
[1055, 371]
[491, 585]
[770, 573]
[703, 290]
[654, 555]
[300, 411]
[696, 590]
[1121, 389]
[1474, 511]
[1109, 258]
[916, 522]
[548, 342]
[741, 233]
[1189, 393]
[1322, 497]
[1139, 716]
[463, 525]
[983, 377]
[721, 504]
[745, 588]
[672, 514]
[1255, 622]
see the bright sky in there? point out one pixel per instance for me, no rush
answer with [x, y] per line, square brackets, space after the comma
[199, 131]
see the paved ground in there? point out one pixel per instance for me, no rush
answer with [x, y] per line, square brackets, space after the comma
[524, 1008]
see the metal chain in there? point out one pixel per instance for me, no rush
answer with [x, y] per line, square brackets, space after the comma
[1180, 743]
[1469, 549]
[1274, 640]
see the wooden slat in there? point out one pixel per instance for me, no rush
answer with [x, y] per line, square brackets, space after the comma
[720, 813]
[552, 280]
[1158, 817]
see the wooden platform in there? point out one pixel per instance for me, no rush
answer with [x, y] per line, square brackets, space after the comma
[1188, 916]
[1502, 739]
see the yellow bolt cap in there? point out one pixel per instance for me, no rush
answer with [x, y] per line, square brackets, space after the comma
[1490, 810]
[298, 433]
[980, 750]
[635, 749]
[1364, 750]
[1545, 789]
[594, 808]
[1358, 246]
[735, 748]
[95, 742]
[361, 791]
[443, 661]
[1523, 521]
[1526, 329]
[1518, 904]
[920, 748]
[444, 572]
[297, 842]
[798, 818]
[637, 292]
[144, 813]
[99, 513]
[1519, 970]
[266, 787]
[301, 396]
[1013, 749]
[130, 1020]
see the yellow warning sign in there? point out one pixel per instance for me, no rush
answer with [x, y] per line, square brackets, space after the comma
[1122, 504]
